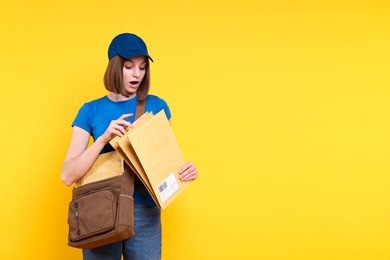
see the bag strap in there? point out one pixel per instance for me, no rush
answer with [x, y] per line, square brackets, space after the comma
[139, 111]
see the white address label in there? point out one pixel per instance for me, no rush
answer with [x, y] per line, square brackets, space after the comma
[167, 187]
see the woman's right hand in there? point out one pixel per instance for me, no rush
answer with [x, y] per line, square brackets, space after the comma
[116, 128]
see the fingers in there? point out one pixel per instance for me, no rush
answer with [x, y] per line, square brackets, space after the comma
[123, 123]
[122, 120]
[124, 116]
[188, 172]
[118, 127]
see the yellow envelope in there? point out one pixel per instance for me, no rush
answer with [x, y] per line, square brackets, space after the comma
[125, 149]
[116, 140]
[106, 166]
[160, 156]
[132, 160]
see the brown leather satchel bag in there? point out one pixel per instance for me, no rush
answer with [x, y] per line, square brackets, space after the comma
[102, 212]
[102, 206]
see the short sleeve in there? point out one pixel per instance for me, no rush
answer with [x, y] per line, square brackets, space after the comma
[155, 104]
[166, 109]
[82, 119]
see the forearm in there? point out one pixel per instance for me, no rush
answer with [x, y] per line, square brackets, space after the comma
[75, 168]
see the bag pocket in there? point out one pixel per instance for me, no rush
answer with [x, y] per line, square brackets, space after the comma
[92, 213]
[126, 211]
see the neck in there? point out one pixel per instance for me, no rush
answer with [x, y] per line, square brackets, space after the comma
[119, 97]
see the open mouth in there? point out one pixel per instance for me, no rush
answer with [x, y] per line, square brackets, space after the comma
[134, 82]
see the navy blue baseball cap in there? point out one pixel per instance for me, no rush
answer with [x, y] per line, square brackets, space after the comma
[127, 45]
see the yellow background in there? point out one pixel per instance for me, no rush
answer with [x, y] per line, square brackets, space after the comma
[283, 105]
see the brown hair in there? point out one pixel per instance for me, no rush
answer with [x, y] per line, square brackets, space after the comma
[113, 78]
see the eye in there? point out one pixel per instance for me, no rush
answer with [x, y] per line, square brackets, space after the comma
[127, 67]
[142, 68]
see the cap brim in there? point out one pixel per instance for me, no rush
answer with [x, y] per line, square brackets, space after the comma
[132, 54]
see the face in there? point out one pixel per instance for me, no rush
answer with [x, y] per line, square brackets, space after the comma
[134, 71]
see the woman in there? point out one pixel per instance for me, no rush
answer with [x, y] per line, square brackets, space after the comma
[127, 79]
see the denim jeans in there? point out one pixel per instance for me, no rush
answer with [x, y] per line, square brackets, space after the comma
[145, 245]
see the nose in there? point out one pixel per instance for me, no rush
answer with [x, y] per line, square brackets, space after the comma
[136, 73]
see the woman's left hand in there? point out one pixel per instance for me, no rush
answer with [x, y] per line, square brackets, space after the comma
[188, 172]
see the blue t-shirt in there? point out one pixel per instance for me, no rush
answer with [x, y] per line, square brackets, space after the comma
[95, 116]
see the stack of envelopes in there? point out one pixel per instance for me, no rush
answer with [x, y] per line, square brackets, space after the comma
[152, 152]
